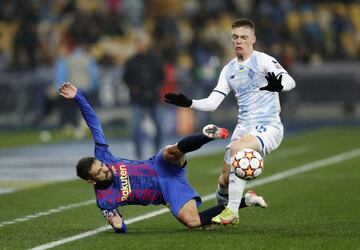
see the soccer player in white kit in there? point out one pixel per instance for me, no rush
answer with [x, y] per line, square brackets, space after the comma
[255, 78]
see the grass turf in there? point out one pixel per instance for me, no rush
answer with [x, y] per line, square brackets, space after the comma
[312, 210]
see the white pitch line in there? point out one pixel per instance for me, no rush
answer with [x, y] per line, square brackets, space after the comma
[48, 212]
[282, 175]
[290, 152]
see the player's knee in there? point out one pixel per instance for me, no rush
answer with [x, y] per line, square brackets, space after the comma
[235, 147]
[189, 215]
[247, 141]
[192, 222]
[173, 155]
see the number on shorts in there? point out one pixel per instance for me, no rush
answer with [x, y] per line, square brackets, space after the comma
[260, 128]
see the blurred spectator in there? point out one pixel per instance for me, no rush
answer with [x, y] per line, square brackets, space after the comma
[80, 68]
[25, 41]
[133, 11]
[326, 30]
[301, 31]
[144, 76]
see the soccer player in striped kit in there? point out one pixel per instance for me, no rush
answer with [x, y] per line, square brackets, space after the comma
[255, 78]
[158, 180]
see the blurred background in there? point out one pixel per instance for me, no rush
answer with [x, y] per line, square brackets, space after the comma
[318, 42]
[89, 42]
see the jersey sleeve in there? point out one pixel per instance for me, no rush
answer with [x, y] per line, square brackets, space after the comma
[102, 152]
[270, 64]
[90, 118]
[216, 97]
[223, 86]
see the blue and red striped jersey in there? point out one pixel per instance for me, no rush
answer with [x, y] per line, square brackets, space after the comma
[135, 182]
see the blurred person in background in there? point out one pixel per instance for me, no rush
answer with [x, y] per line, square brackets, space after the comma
[255, 78]
[144, 76]
[25, 41]
[79, 66]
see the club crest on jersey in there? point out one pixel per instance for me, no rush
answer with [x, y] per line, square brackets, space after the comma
[125, 183]
[242, 69]
[251, 73]
[277, 65]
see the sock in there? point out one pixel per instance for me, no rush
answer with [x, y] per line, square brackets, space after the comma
[222, 196]
[206, 215]
[192, 142]
[242, 203]
[221, 190]
[236, 190]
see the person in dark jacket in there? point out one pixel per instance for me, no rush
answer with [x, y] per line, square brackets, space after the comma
[144, 75]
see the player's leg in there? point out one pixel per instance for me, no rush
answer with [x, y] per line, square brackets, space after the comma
[222, 193]
[175, 153]
[189, 215]
[236, 185]
[264, 138]
[227, 216]
[192, 218]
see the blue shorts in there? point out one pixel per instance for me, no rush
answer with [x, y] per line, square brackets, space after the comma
[175, 188]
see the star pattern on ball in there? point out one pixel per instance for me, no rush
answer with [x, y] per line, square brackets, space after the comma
[249, 155]
[249, 171]
[262, 164]
[236, 164]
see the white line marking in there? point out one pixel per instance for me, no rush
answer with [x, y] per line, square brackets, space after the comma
[38, 160]
[290, 152]
[282, 175]
[48, 212]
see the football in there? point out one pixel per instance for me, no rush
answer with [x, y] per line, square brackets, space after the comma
[248, 164]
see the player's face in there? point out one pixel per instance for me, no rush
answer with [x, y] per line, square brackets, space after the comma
[243, 39]
[100, 172]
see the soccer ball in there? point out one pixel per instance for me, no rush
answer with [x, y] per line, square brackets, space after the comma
[248, 164]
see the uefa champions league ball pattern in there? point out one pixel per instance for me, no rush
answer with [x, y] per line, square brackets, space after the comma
[248, 164]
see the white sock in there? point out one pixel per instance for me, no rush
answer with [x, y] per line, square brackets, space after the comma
[236, 190]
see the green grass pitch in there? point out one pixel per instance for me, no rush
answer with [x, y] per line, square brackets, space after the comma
[315, 209]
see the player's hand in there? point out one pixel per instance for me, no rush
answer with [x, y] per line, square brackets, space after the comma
[178, 99]
[274, 84]
[115, 219]
[68, 90]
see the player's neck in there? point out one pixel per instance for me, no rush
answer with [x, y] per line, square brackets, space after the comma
[245, 56]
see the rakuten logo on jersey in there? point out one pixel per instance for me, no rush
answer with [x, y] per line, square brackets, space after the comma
[125, 183]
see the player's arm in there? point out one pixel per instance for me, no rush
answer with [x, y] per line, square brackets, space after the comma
[210, 103]
[69, 91]
[114, 218]
[277, 77]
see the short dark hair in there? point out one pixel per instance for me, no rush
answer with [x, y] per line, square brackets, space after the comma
[243, 23]
[83, 168]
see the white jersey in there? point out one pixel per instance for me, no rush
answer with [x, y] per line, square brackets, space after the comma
[245, 78]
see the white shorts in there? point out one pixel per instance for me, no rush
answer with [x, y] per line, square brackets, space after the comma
[268, 135]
